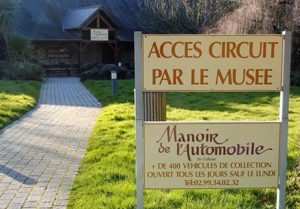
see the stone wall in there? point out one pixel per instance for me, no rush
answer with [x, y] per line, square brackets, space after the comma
[63, 57]
[56, 55]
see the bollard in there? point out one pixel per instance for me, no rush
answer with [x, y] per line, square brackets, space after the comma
[114, 84]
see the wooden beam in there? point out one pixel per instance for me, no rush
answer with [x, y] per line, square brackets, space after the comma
[98, 22]
[91, 20]
[75, 45]
[120, 47]
[111, 46]
[80, 58]
[101, 42]
[99, 18]
[85, 46]
[116, 52]
[107, 23]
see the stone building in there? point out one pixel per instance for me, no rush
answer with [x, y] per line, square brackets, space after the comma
[70, 33]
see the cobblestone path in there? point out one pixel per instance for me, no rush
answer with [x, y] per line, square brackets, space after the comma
[40, 153]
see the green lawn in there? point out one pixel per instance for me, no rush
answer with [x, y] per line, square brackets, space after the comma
[17, 98]
[106, 177]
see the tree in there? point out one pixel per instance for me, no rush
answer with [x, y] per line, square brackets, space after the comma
[20, 48]
[181, 16]
[7, 8]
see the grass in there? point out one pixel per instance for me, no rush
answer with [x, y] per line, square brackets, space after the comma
[106, 177]
[17, 98]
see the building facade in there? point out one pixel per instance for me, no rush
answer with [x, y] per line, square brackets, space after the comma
[68, 36]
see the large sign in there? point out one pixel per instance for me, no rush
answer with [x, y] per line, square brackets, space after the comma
[212, 63]
[99, 35]
[62, 53]
[211, 155]
[201, 155]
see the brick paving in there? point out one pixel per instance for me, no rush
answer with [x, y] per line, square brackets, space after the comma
[40, 153]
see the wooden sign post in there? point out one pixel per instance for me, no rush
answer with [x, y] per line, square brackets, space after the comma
[189, 155]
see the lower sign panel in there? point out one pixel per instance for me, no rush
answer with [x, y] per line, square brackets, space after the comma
[211, 155]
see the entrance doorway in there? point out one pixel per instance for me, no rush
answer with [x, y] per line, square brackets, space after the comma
[108, 54]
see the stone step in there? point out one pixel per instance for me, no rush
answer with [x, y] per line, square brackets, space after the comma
[61, 72]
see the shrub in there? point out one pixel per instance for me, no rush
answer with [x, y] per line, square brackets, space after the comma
[21, 71]
[103, 72]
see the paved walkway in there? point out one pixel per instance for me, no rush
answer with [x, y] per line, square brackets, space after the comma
[40, 153]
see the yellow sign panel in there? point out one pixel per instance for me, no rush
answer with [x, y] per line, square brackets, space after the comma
[212, 63]
[211, 155]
